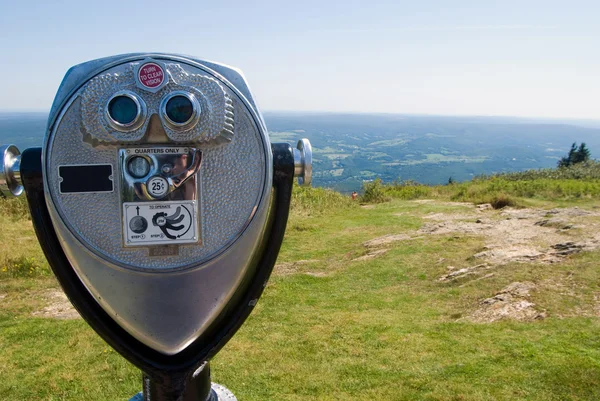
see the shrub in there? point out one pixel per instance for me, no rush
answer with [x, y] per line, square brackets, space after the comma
[407, 190]
[374, 192]
[314, 201]
[501, 201]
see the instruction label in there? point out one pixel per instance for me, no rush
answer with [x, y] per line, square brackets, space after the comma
[163, 150]
[160, 223]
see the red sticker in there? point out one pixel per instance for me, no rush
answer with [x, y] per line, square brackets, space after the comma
[151, 75]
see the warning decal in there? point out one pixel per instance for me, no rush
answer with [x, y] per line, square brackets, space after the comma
[158, 223]
[151, 75]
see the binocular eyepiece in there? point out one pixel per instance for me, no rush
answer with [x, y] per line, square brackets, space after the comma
[161, 205]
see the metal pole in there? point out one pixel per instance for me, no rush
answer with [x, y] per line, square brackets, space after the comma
[184, 387]
[178, 386]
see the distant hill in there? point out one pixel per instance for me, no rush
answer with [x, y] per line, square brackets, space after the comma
[351, 148]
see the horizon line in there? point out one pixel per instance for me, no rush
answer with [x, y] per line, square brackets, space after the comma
[388, 113]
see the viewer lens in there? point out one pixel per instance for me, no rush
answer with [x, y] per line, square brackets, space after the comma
[179, 109]
[123, 109]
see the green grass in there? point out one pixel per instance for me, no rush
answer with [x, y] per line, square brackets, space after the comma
[574, 183]
[20, 254]
[589, 170]
[331, 328]
[486, 190]
[317, 201]
[14, 208]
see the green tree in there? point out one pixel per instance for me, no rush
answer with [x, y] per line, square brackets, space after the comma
[583, 154]
[576, 155]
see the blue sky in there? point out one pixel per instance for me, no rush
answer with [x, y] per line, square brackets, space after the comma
[521, 58]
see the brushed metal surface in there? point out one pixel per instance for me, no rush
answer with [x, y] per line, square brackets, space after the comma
[164, 301]
[233, 180]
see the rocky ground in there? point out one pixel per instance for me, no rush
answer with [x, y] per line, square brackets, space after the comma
[528, 235]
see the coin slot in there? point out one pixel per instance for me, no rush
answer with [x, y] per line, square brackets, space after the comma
[138, 166]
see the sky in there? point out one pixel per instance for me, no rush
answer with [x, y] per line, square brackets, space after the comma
[525, 58]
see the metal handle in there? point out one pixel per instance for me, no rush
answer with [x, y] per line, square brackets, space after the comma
[303, 162]
[10, 171]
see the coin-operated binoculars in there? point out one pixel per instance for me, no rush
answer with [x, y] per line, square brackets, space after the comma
[161, 206]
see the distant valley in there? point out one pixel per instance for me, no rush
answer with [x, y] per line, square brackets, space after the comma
[351, 148]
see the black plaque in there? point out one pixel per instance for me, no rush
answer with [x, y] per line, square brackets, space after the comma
[85, 178]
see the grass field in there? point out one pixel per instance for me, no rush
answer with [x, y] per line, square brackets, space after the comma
[337, 323]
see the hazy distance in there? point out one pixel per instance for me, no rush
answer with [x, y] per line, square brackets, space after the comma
[350, 149]
[515, 58]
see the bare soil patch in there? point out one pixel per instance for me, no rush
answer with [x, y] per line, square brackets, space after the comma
[58, 306]
[371, 253]
[523, 235]
[427, 201]
[510, 303]
[385, 240]
[377, 246]
[288, 268]
[511, 235]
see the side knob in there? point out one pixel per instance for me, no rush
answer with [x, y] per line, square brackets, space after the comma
[10, 174]
[303, 162]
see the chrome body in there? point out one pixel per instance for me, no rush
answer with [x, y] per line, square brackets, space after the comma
[163, 296]
[181, 172]
[10, 174]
